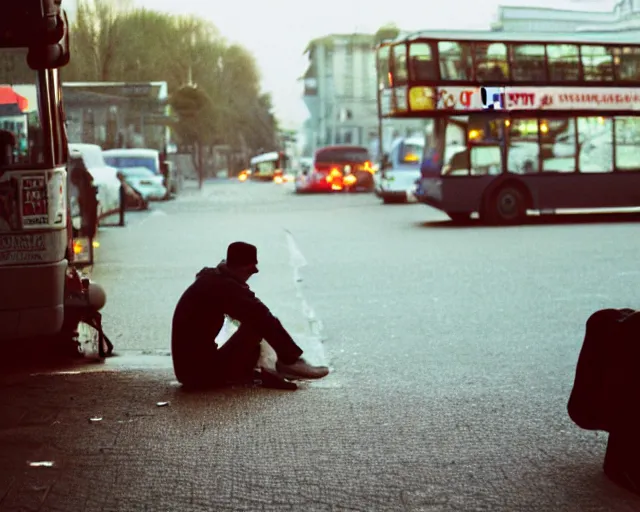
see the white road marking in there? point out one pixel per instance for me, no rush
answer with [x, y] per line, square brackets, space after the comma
[312, 344]
[153, 214]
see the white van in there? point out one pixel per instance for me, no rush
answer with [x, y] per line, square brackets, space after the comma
[105, 178]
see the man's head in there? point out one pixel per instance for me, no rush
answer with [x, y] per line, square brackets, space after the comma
[242, 259]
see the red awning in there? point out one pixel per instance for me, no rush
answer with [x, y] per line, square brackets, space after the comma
[9, 97]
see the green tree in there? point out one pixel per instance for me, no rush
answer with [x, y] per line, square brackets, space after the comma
[113, 42]
[96, 39]
[386, 32]
[196, 122]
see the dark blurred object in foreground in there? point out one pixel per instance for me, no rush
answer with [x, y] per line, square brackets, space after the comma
[606, 390]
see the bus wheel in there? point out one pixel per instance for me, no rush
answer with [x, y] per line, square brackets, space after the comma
[459, 217]
[506, 206]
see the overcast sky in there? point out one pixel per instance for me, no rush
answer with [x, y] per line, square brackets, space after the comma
[277, 31]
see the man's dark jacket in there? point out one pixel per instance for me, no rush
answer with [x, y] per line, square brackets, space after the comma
[200, 313]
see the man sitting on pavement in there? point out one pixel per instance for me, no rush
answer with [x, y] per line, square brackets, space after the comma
[199, 316]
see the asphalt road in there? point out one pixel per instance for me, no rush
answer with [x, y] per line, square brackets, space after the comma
[452, 348]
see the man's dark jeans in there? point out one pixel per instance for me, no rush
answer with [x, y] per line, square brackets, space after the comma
[234, 361]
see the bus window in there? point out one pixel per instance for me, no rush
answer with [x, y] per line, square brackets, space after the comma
[484, 129]
[434, 148]
[422, 65]
[485, 160]
[563, 62]
[384, 73]
[456, 154]
[628, 61]
[523, 150]
[597, 63]
[558, 144]
[20, 115]
[455, 60]
[627, 142]
[455, 134]
[399, 65]
[596, 144]
[527, 63]
[491, 62]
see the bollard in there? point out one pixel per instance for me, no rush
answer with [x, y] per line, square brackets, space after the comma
[123, 204]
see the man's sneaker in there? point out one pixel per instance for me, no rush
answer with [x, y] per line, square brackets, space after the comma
[301, 370]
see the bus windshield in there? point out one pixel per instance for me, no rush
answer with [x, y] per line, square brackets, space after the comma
[266, 167]
[20, 116]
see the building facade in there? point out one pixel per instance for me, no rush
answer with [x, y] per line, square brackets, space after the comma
[625, 16]
[117, 114]
[340, 90]
[340, 87]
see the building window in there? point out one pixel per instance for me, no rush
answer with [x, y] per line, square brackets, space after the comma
[89, 127]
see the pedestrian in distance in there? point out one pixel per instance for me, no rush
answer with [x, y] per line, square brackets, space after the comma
[222, 291]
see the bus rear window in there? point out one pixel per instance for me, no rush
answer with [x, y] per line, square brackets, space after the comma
[342, 155]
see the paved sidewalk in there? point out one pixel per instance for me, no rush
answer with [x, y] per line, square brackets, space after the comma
[326, 447]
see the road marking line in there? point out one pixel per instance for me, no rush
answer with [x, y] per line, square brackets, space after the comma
[152, 214]
[297, 262]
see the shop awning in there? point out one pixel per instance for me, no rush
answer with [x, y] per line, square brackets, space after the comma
[9, 97]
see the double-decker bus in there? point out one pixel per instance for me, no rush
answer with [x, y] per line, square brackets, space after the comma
[519, 123]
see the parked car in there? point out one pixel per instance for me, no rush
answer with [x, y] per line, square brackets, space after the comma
[127, 158]
[105, 177]
[148, 185]
[337, 168]
[400, 169]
